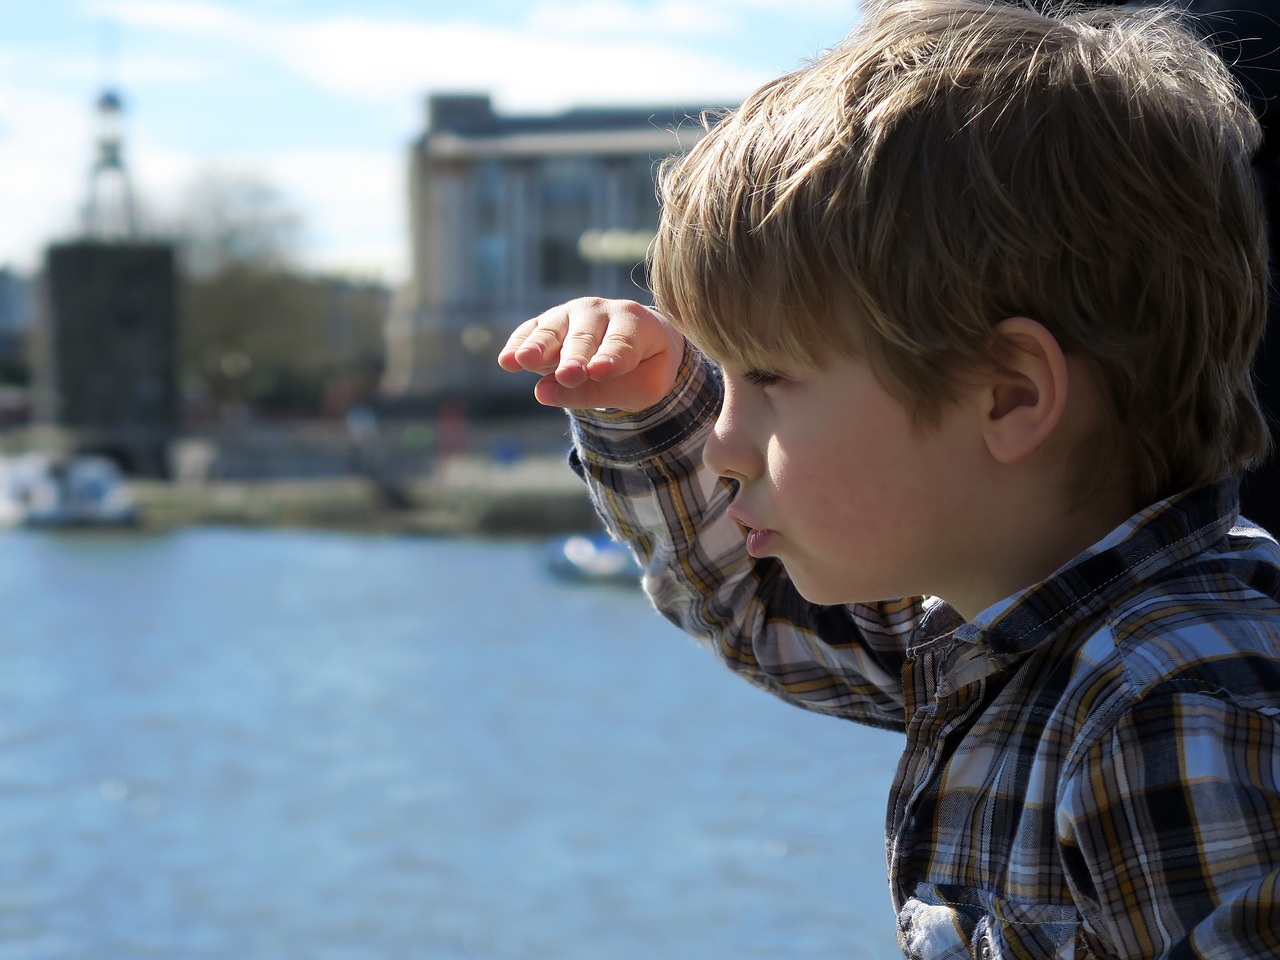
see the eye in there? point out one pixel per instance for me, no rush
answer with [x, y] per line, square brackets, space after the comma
[762, 378]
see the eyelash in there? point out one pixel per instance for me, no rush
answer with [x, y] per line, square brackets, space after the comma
[762, 378]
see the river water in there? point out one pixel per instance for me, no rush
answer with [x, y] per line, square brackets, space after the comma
[279, 745]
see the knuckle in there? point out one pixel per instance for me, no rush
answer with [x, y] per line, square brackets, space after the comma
[583, 337]
[547, 335]
[618, 343]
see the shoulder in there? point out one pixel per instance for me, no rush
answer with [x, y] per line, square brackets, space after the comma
[1208, 627]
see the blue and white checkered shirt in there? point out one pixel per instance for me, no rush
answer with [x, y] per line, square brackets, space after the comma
[1091, 767]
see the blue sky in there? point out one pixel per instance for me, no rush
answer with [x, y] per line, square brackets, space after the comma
[320, 98]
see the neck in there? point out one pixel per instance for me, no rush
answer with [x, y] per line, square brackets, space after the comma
[1050, 532]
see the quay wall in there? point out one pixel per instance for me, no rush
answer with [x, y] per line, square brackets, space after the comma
[537, 496]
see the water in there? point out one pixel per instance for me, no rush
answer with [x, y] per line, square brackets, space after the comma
[233, 744]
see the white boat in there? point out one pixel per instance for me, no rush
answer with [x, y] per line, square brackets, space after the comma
[592, 559]
[40, 490]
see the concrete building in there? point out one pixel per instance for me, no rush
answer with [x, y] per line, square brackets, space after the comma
[510, 215]
[17, 311]
[104, 358]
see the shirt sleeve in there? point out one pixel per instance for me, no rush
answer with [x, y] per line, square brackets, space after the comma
[648, 483]
[1170, 831]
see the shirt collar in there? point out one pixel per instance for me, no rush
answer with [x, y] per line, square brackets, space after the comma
[1133, 553]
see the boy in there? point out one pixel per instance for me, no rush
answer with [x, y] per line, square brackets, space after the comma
[981, 288]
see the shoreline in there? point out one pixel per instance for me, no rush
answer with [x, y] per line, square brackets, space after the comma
[464, 497]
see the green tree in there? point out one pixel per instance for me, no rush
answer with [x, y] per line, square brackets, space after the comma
[257, 332]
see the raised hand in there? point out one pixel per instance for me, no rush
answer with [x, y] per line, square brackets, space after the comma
[597, 353]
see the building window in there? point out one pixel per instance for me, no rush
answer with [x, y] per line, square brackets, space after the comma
[566, 190]
[490, 196]
[644, 195]
[561, 264]
[489, 255]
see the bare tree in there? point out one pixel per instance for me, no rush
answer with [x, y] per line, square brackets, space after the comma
[236, 218]
[256, 331]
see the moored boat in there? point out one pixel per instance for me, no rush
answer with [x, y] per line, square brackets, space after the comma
[592, 559]
[40, 490]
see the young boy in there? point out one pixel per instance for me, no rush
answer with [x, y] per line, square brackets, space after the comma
[979, 290]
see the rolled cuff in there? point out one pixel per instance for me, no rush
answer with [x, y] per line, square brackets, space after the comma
[623, 437]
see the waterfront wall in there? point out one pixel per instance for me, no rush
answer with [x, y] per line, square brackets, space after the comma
[463, 496]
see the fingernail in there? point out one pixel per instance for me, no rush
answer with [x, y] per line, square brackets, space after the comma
[547, 392]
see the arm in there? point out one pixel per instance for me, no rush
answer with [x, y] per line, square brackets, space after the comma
[1170, 831]
[639, 447]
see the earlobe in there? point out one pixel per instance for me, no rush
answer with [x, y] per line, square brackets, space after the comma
[1025, 401]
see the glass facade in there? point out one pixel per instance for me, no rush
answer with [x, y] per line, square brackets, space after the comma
[511, 215]
[564, 213]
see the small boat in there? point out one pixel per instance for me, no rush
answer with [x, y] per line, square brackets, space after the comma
[39, 490]
[592, 559]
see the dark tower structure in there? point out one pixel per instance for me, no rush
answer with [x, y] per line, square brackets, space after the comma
[110, 210]
[106, 367]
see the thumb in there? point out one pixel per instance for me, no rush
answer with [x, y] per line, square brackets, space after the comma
[593, 395]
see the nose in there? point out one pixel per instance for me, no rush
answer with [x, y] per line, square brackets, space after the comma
[730, 452]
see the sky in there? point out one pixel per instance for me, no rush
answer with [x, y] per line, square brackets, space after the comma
[320, 99]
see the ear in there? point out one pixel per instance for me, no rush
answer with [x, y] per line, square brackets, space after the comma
[1024, 402]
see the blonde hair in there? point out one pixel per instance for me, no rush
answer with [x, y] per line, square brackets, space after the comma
[953, 163]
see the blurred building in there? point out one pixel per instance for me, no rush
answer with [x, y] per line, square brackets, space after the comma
[104, 345]
[510, 215]
[16, 318]
[104, 367]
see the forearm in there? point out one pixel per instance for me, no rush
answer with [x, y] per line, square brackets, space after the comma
[645, 475]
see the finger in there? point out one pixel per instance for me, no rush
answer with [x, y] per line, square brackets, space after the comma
[588, 321]
[634, 334]
[551, 392]
[535, 344]
[507, 355]
[645, 387]
[591, 395]
[619, 353]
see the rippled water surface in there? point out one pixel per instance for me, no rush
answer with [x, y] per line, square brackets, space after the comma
[238, 745]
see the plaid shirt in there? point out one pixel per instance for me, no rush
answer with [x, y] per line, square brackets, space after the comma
[1092, 767]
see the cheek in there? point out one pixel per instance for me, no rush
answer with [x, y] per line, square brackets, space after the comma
[847, 490]
[824, 483]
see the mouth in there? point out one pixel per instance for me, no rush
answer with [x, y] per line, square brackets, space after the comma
[760, 542]
[759, 539]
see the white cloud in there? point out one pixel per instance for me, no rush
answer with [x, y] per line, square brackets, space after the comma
[355, 203]
[547, 56]
[351, 200]
[564, 53]
[192, 17]
[670, 18]
[45, 153]
[138, 70]
[798, 8]
[377, 60]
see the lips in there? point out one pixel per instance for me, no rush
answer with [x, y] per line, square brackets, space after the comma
[759, 538]
[759, 542]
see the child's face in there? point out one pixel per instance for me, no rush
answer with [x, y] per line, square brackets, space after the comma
[837, 483]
